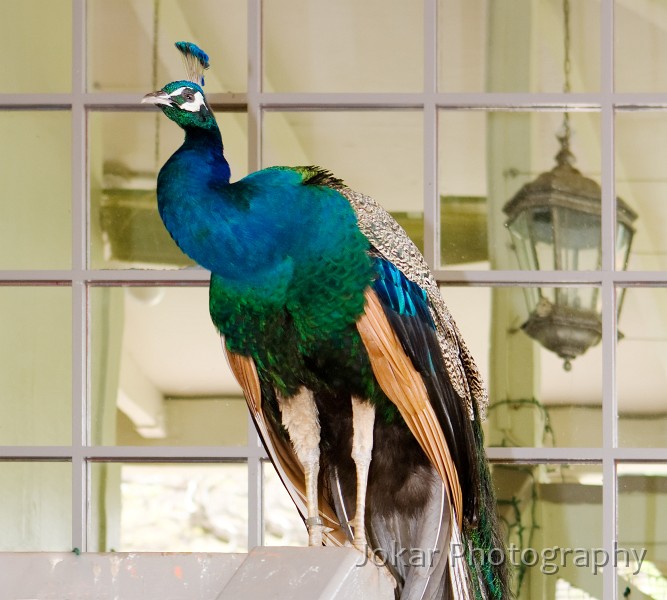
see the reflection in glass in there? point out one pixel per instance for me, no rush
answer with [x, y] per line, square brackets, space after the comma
[283, 526]
[127, 151]
[35, 507]
[159, 374]
[516, 46]
[343, 46]
[36, 224]
[640, 41]
[553, 521]
[641, 141]
[125, 63]
[169, 507]
[37, 37]
[484, 159]
[36, 365]
[377, 153]
[641, 378]
[642, 528]
[533, 401]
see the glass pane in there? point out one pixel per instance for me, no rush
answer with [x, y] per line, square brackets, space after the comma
[169, 507]
[640, 46]
[159, 374]
[642, 529]
[283, 526]
[36, 366]
[533, 400]
[553, 520]
[641, 141]
[641, 373]
[37, 37]
[343, 46]
[35, 210]
[127, 151]
[361, 149]
[35, 507]
[484, 160]
[517, 45]
[144, 59]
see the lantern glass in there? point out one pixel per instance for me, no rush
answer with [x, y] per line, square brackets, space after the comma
[541, 224]
[523, 241]
[576, 240]
[624, 235]
[556, 238]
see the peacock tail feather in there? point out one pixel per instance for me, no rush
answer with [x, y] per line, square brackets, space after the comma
[485, 549]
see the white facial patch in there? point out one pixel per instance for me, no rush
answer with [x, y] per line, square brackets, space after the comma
[190, 105]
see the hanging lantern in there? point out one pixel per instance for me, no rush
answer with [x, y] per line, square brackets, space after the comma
[555, 223]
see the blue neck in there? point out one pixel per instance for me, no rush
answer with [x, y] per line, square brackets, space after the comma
[209, 143]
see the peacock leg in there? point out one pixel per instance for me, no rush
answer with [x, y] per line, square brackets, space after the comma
[300, 418]
[363, 418]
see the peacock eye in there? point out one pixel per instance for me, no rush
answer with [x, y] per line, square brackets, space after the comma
[189, 96]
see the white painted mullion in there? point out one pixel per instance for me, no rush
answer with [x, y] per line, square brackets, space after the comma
[79, 290]
[255, 453]
[254, 85]
[507, 454]
[516, 277]
[608, 234]
[452, 100]
[255, 134]
[430, 135]
[253, 450]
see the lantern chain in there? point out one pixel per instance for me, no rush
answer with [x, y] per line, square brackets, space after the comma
[564, 155]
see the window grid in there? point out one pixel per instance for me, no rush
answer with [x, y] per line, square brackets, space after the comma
[80, 277]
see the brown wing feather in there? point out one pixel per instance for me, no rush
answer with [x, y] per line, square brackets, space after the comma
[405, 388]
[282, 455]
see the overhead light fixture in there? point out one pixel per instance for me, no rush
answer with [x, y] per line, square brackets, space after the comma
[555, 224]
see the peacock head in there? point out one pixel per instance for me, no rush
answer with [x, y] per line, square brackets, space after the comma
[184, 101]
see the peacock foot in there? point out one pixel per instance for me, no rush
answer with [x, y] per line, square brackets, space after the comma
[316, 530]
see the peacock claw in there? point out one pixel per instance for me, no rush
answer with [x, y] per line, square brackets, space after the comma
[315, 530]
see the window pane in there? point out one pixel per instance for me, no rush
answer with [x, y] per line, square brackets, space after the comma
[283, 526]
[36, 366]
[169, 507]
[35, 210]
[641, 141]
[37, 37]
[343, 46]
[642, 528]
[361, 148]
[35, 507]
[553, 518]
[485, 159]
[641, 375]
[126, 63]
[533, 400]
[127, 151]
[159, 374]
[517, 45]
[640, 46]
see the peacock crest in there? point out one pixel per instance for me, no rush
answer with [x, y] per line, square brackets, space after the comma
[195, 60]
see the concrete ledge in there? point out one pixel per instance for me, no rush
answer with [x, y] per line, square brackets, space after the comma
[264, 573]
[307, 574]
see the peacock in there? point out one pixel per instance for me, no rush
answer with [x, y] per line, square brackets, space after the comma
[360, 385]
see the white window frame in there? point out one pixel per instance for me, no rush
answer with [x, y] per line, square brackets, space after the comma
[81, 454]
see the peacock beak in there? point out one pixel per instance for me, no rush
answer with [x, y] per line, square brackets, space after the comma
[161, 98]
